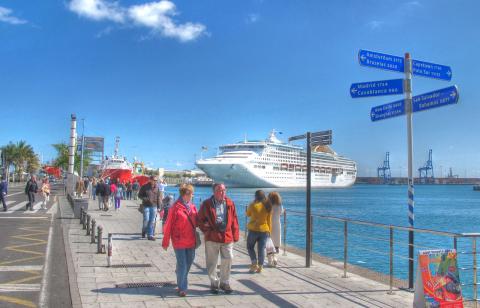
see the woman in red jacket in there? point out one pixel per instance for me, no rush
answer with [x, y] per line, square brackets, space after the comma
[180, 227]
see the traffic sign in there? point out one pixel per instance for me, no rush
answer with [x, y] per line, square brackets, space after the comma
[431, 70]
[322, 133]
[434, 99]
[376, 88]
[298, 137]
[386, 111]
[397, 64]
[381, 60]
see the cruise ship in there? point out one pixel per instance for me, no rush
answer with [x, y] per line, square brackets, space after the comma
[271, 163]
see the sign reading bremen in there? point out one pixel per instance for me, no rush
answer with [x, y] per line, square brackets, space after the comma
[397, 64]
[376, 88]
[434, 99]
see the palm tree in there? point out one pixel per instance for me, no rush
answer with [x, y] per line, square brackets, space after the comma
[22, 156]
[62, 158]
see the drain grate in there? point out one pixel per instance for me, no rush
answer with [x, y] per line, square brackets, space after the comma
[145, 284]
[130, 265]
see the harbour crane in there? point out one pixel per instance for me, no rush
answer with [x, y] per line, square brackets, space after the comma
[384, 171]
[426, 172]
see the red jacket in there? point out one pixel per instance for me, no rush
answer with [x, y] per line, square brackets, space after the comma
[206, 222]
[179, 228]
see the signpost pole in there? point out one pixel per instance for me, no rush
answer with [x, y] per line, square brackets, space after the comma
[408, 112]
[308, 236]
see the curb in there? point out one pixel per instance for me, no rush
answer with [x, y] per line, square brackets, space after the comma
[72, 277]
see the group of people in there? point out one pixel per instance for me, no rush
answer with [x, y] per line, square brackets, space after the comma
[31, 189]
[112, 192]
[217, 219]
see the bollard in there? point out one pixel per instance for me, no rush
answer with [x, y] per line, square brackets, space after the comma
[92, 241]
[81, 216]
[110, 247]
[88, 224]
[84, 220]
[99, 241]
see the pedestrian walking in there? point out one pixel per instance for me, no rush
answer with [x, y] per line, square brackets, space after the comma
[276, 232]
[129, 190]
[113, 191]
[118, 196]
[150, 196]
[106, 196]
[180, 229]
[45, 189]
[100, 192]
[167, 203]
[161, 186]
[3, 192]
[219, 223]
[135, 189]
[79, 188]
[86, 185]
[94, 188]
[259, 228]
[30, 190]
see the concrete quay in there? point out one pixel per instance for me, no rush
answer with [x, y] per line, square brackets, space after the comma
[93, 284]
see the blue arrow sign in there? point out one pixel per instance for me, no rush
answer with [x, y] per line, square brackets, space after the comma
[376, 88]
[380, 60]
[396, 64]
[431, 70]
[389, 110]
[434, 99]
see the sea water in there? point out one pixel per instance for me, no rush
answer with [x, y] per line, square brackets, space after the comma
[448, 208]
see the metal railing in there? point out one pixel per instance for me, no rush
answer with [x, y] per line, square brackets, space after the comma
[362, 240]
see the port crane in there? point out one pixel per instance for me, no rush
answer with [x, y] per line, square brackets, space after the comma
[384, 171]
[426, 172]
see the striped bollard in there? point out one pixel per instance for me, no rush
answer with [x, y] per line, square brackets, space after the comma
[110, 247]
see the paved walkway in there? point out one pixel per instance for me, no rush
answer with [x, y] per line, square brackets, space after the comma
[93, 284]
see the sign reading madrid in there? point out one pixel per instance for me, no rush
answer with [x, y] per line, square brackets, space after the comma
[376, 88]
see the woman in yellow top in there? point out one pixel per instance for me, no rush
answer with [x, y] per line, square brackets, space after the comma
[259, 228]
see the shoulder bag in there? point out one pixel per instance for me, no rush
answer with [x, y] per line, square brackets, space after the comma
[198, 240]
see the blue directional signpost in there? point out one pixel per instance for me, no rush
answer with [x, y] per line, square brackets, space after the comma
[376, 88]
[406, 106]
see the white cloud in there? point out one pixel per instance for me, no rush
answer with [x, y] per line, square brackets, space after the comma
[156, 16]
[252, 18]
[6, 16]
[375, 24]
[97, 10]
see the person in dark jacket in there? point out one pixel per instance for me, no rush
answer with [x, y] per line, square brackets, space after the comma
[3, 192]
[100, 192]
[218, 220]
[30, 190]
[151, 202]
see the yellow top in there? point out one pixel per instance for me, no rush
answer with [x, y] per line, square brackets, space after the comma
[260, 219]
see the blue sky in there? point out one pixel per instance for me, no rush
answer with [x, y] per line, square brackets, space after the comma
[169, 77]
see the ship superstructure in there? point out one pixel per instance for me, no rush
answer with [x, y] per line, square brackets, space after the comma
[272, 163]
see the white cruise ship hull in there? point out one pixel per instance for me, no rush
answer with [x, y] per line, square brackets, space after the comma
[235, 174]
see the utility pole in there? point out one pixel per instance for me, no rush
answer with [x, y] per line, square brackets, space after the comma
[81, 152]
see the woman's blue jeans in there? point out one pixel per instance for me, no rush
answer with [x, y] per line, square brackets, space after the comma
[149, 213]
[184, 262]
[252, 238]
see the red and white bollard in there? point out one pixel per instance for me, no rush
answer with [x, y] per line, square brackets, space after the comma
[110, 248]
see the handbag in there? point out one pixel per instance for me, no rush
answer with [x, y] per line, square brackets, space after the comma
[270, 246]
[198, 240]
[140, 208]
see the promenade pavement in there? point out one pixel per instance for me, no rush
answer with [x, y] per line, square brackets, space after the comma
[93, 284]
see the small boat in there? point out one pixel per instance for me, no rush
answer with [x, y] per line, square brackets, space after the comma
[476, 187]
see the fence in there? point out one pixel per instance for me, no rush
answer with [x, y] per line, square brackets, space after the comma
[377, 250]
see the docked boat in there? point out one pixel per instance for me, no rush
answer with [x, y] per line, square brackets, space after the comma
[116, 167]
[272, 163]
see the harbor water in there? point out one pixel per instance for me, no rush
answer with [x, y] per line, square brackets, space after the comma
[449, 208]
